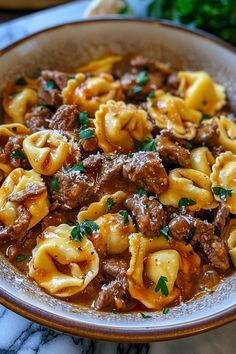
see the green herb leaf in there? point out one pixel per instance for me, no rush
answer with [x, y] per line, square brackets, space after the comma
[86, 134]
[54, 184]
[20, 258]
[110, 203]
[140, 191]
[222, 193]
[183, 202]
[142, 78]
[149, 145]
[165, 232]
[83, 118]
[108, 158]
[205, 117]
[17, 154]
[85, 228]
[151, 95]
[138, 145]
[161, 286]
[130, 155]
[137, 89]
[189, 236]
[188, 145]
[49, 86]
[40, 107]
[70, 223]
[21, 82]
[77, 167]
[165, 311]
[125, 215]
[145, 316]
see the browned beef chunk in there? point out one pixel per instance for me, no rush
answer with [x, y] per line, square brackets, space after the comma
[171, 150]
[18, 230]
[59, 217]
[220, 216]
[146, 171]
[115, 293]
[11, 152]
[112, 166]
[89, 144]
[65, 118]
[38, 118]
[93, 163]
[208, 133]
[148, 212]
[51, 83]
[30, 190]
[75, 189]
[215, 249]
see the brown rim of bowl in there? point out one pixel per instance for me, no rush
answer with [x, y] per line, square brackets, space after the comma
[93, 331]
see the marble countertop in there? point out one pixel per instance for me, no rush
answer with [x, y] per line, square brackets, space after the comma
[21, 336]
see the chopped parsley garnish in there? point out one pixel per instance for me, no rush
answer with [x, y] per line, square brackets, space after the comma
[149, 145]
[125, 215]
[165, 232]
[40, 107]
[70, 223]
[165, 311]
[108, 158]
[189, 236]
[137, 89]
[86, 134]
[54, 184]
[151, 95]
[21, 82]
[83, 118]
[142, 78]
[188, 145]
[205, 117]
[130, 155]
[222, 193]
[85, 228]
[183, 202]
[17, 154]
[114, 311]
[146, 145]
[77, 167]
[110, 203]
[20, 258]
[140, 191]
[49, 86]
[161, 286]
[71, 77]
[145, 316]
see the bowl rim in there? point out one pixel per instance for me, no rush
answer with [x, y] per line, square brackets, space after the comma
[97, 331]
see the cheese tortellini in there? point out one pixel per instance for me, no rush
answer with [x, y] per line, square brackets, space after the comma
[224, 176]
[112, 235]
[59, 266]
[100, 66]
[172, 113]
[18, 181]
[46, 151]
[201, 92]
[191, 184]
[155, 258]
[7, 131]
[201, 159]
[90, 93]
[227, 133]
[118, 124]
[16, 106]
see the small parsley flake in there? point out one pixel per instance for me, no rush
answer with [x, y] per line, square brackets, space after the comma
[17, 154]
[143, 315]
[83, 118]
[49, 86]
[108, 158]
[151, 95]
[85, 228]
[165, 233]
[70, 223]
[161, 286]
[125, 215]
[189, 236]
[149, 145]
[21, 82]
[77, 167]
[110, 203]
[140, 192]
[137, 89]
[185, 202]
[165, 311]
[142, 78]
[20, 258]
[222, 193]
[54, 184]
[86, 134]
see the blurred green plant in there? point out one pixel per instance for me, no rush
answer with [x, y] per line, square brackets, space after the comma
[215, 16]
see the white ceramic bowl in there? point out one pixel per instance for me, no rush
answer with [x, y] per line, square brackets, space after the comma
[67, 47]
